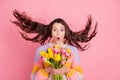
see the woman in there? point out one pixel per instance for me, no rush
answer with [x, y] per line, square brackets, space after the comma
[56, 33]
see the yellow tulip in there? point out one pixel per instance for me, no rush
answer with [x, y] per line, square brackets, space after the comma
[68, 50]
[47, 56]
[49, 50]
[50, 54]
[57, 57]
[42, 53]
[57, 47]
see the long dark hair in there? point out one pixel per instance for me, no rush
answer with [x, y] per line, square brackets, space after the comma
[44, 30]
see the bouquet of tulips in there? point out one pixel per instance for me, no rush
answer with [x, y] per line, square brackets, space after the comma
[56, 56]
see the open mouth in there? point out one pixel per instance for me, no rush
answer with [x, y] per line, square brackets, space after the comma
[58, 38]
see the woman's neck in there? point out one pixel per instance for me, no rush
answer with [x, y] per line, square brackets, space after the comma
[57, 43]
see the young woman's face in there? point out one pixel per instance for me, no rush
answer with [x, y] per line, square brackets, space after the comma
[58, 32]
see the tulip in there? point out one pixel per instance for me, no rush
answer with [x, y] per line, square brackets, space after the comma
[50, 54]
[57, 47]
[57, 57]
[49, 50]
[63, 51]
[63, 56]
[42, 53]
[56, 51]
[68, 50]
[63, 62]
[47, 56]
[68, 54]
[42, 58]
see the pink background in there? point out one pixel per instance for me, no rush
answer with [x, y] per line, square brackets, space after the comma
[100, 62]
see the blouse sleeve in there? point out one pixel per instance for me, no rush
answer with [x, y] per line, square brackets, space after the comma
[38, 72]
[76, 70]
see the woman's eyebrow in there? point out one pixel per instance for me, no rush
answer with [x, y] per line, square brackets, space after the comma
[56, 27]
[62, 27]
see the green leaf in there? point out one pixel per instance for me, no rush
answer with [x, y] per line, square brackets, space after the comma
[47, 61]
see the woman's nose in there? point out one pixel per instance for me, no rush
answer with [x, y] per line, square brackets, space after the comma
[58, 33]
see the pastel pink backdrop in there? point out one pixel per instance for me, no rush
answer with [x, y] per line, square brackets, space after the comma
[100, 62]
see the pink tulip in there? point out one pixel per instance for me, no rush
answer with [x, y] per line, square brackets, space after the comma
[42, 59]
[63, 56]
[68, 54]
[55, 51]
[63, 50]
[63, 62]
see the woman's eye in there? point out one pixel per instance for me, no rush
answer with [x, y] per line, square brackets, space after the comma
[54, 29]
[62, 30]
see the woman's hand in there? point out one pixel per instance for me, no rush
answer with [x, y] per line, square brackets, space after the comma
[49, 69]
[62, 70]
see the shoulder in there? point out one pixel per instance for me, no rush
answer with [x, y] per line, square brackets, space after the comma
[75, 53]
[73, 48]
[39, 49]
[42, 47]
